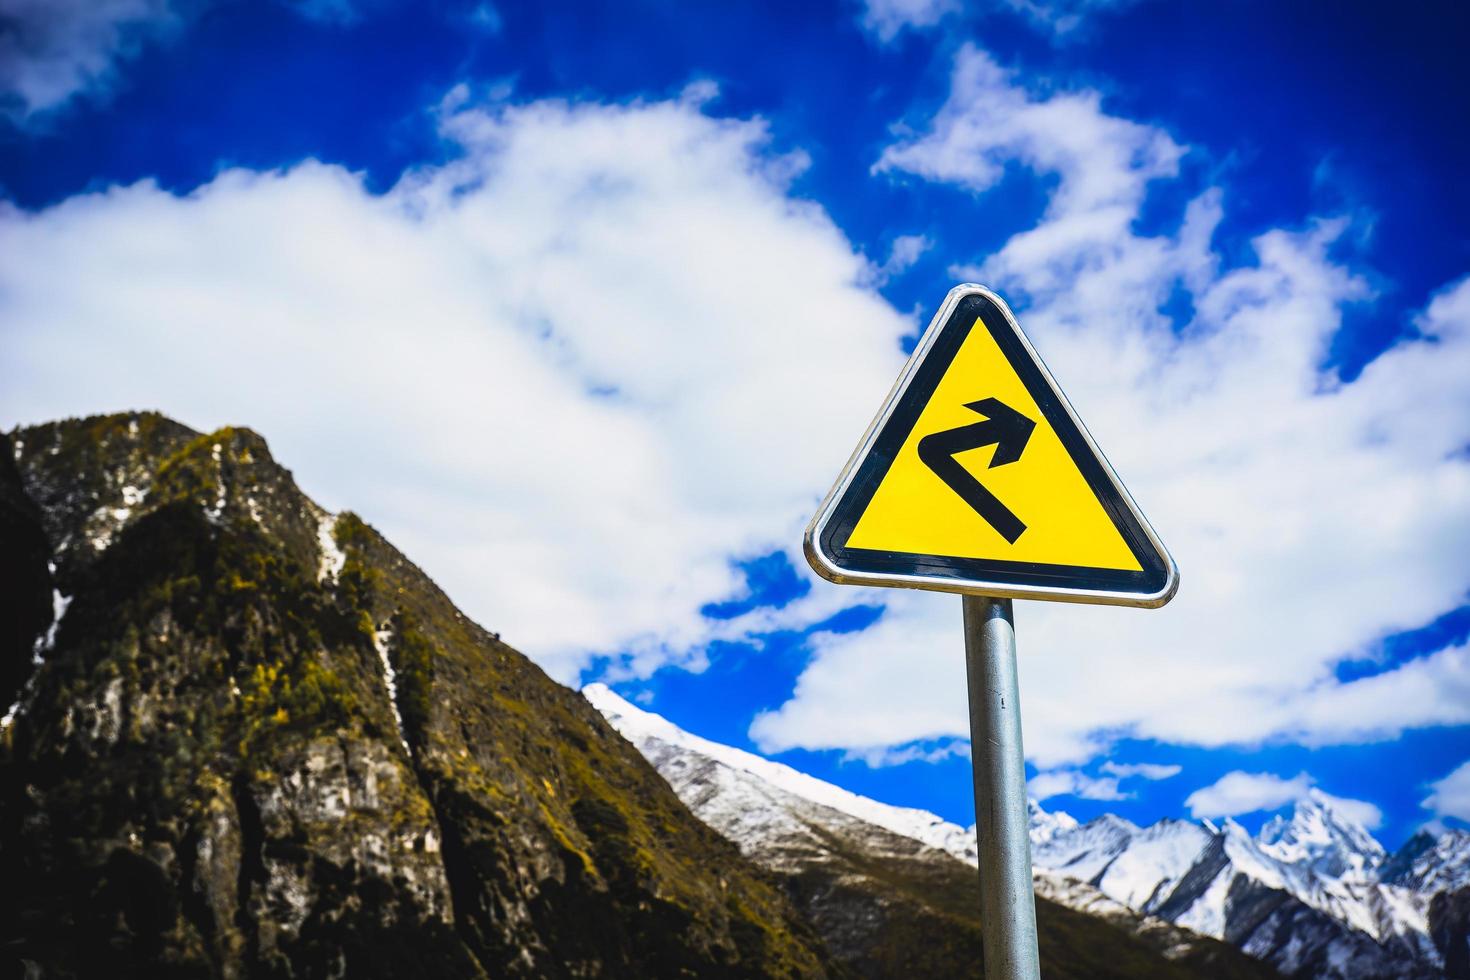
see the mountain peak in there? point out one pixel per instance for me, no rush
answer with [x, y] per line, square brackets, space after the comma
[1325, 834]
[269, 770]
[1430, 863]
[1045, 824]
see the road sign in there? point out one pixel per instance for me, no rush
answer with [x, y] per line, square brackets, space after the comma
[977, 477]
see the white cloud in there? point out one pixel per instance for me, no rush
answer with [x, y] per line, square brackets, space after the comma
[52, 49]
[905, 251]
[903, 754]
[1360, 811]
[886, 19]
[1142, 770]
[1450, 796]
[1072, 782]
[1310, 517]
[1248, 792]
[988, 121]
[569, 373]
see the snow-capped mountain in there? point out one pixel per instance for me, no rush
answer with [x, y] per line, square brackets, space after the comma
[1303, 922]
[863, 869]
[1313, 894]
[1047, 825]
[1319, 857]
[1321, 837]
[1305, 894]
[1135, 866]
[1429, 864]
[732, 794]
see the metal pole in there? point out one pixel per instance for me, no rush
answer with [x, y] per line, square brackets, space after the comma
[1002, 819]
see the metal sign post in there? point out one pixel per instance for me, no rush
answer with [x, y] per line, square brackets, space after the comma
[1002, 819]
[922, 504]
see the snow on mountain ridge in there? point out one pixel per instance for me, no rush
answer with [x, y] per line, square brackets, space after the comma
[1320, 856]
[844, 866]
[1158, 857]
[1046, 825]
[1322, 836]
[1433, 864]
[921, 825]
[1213, 879]
[1087, 849]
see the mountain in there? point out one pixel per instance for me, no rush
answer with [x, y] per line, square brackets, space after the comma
[1430, 864]
[245, 737]
[893, 890]
[1132, 865]
[1313, 895]
[1322, 839]
[1306, 894]
[1440, 868]
[251, 738]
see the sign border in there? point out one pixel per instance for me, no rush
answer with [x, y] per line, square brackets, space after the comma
[817, 538]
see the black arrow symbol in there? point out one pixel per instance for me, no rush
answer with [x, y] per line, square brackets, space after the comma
[1004, 428]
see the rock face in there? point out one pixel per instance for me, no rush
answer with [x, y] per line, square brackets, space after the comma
[25, 580]
[894, 890]
[260, 742]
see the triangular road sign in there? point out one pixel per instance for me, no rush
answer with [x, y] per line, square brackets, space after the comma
[977, 477]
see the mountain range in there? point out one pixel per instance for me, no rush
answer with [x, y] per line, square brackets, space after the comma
[1312, 895]
[246, 737]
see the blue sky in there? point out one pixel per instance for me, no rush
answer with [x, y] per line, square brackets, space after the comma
[689, 250]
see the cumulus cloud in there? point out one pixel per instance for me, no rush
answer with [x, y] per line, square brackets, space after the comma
[905, 251]
[1142, 770]
[886, 19]
[1246, 792]
[988, 121]
[1249, 792]
[902, 754]
[1450, 796]
[1310, 516]
[1360, 811]
[1073, 782]
[568, 371]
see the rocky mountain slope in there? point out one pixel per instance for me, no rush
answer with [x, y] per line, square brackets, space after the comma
[250, 738]
[242, 736]
[1313, 895]
[893, 890]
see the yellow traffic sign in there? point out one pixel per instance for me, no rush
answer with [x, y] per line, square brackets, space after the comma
[977, 477]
